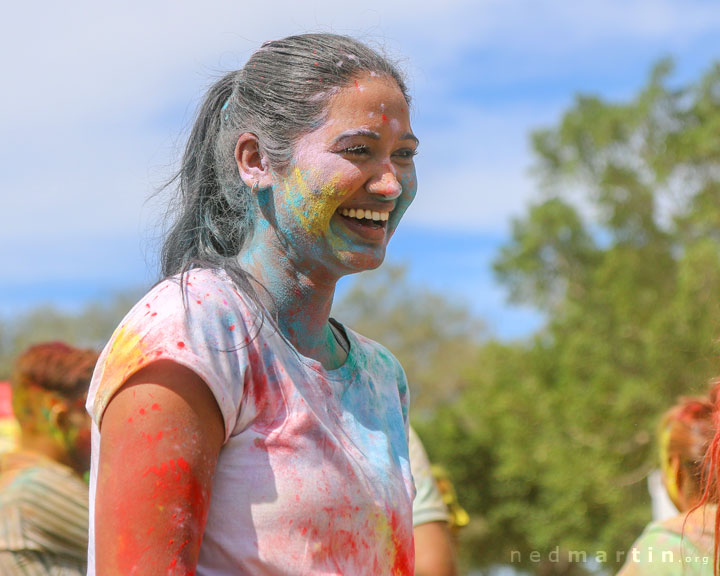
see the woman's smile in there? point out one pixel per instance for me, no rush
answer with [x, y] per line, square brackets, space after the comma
[368, 223]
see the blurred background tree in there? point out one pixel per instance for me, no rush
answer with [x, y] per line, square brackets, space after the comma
[432, 337]
[92, 327]
[621, 252]
[549, 441]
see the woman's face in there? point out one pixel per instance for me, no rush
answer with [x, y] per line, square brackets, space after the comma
[350, 182]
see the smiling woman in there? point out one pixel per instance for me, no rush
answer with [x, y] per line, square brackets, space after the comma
[237, 428]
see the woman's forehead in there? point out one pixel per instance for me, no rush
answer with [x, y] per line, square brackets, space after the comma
[369, 100]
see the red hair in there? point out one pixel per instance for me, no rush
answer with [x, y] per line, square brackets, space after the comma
[686, 431]
[55, 366]
[712, 467]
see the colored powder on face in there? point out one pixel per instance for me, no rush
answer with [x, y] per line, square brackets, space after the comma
[313, 209]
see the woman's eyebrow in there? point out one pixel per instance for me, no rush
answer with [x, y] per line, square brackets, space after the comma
[358, 132]
[370, 134]
[410, 136]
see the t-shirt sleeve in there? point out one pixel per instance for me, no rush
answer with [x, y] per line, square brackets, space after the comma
[428, 505]
[659, 552]
[201, 325]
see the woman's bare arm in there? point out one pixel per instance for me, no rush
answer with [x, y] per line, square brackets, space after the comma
[160, 439]
[434, 550]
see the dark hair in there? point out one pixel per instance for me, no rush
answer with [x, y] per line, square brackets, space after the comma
[281, 93]
[55, 366]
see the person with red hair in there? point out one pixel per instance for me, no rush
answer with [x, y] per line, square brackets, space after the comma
[43, 498]
[682, 544]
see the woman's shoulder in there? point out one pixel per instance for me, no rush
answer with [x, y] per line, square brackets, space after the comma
[199, 320]
[196, 293]
[374, 358]
[683, 531]
[369, 347]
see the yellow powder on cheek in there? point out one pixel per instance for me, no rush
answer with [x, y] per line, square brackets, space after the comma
[312, 208]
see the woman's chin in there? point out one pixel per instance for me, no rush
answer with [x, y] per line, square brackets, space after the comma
[355, 262]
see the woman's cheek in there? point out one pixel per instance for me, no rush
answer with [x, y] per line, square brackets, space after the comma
[408, 181]
[311, 204]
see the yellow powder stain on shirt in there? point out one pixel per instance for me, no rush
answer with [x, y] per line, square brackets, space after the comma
[123, 358]
[385, 534]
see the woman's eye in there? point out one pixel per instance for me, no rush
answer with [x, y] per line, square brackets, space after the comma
[358, 150]
[406, 153]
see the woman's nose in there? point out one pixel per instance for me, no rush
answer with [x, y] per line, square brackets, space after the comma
[386, 185]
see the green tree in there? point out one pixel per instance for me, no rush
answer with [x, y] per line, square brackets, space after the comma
[621, 252]
[91, 326]
[432, 337]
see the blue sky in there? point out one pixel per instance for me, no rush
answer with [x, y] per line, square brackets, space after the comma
[97, 97]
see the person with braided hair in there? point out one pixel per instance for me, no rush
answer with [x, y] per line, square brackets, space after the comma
[43, 496]
[682, 544]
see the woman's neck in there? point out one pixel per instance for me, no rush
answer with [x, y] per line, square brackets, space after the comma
[300, 301]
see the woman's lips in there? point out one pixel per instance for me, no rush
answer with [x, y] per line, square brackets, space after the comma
[369, 224]
[365, 214]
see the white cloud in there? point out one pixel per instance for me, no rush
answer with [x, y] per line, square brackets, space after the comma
[93, 92]
[474, 170]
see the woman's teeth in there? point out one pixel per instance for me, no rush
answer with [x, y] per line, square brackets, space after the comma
[361, 214]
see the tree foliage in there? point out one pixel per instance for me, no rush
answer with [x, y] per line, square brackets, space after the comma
[432, 337]
[621, 252]
[549, 441]
[91, 326]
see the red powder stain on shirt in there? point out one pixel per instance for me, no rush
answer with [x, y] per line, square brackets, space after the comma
[198, 301]
[181, 344]
[153, 314]
[404, 563]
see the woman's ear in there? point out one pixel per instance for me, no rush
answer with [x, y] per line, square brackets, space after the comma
[677, 484]
[252, 165]
[59, 415]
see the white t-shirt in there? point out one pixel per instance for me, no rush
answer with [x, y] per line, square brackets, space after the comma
[313, 477]
[428, 505]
